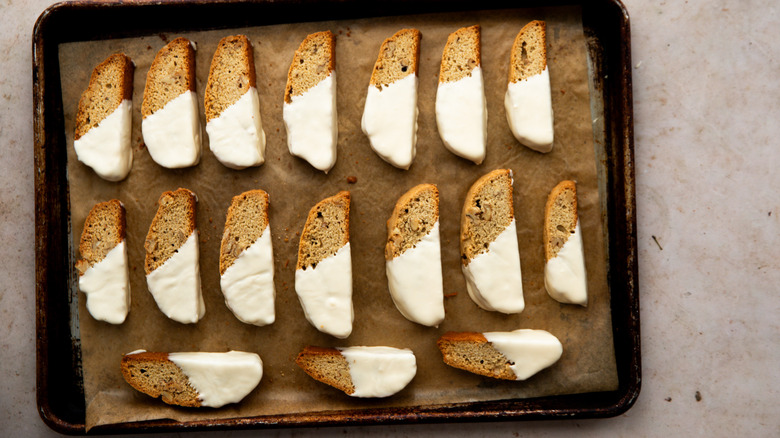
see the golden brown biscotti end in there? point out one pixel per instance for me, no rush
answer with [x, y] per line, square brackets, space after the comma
[104, 229]
[487, 211]
[328, 366]
[231, 75]
[111, 82]
[461, 54]
[413, 217]
[326, 230]
[172, 225]
[529, 52]
[470, 351]
[155, 375]
[172, 73]
[399, 56]
[560, 217]
[247, 219]
[314, 61]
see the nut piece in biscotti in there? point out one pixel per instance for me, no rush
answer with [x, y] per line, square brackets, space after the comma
[172, 258]
[515, 355]
[413, 256]
[488, 242]
[309, 111]
[170, 123]
[528, 99]
[232, 105]
[328, 366]
[104, 119]
[390, 113]
[564, 270]
[323, 275]
[103, 269]
[246, 262]
[461, 110]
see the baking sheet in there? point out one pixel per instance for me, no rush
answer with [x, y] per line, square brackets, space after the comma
[588, 362]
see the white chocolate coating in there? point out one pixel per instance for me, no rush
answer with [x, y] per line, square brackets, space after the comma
[312, 124]
[172, 133]
[175, 285]
[379, 371]
[530, 351]
[494, 278]
[528, 105]
[248, 284]
[325, 292]
[236, 137]
[564, 275]
[390, 121]
[106, 147]
[415, 281]
[461, 116]
[107, 286]
[220, 378]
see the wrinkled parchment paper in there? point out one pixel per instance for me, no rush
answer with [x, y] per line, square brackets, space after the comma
[588, 362]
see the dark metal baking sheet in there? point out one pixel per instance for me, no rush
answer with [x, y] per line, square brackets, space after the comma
[59, 389]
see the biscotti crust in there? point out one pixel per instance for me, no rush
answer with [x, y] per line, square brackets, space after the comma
[172, 73]
[328, 366]
[247, 218]
[314, 61]
[461, 54]
[560, 217]
[529, 51]
[172, 225]
[231, 75]
[104, 229]
[470, 351]
[399, 57]
[154, 374]
[487, 211]
[413, 217]
[318, 243]
[111, 82]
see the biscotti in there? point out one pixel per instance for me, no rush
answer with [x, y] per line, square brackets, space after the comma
[413, 256]
[103, 273]
[309, 110]
[170, 125]
[323, 274]
[360, 371]
[528, 101]
[564, 269]
[171, 264]
[461, 108]
[515, 355]
[104, 119]
[488, 242]
[232, 105]
[246, 259]
[193, 379]
[390, 114]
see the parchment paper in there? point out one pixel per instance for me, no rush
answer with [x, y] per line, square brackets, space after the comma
[588, 362]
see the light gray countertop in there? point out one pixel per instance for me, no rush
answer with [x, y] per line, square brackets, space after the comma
[706, 109]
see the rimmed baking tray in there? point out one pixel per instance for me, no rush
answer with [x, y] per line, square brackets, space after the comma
[59, 381]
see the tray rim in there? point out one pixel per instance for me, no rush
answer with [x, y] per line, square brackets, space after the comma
[50, 214]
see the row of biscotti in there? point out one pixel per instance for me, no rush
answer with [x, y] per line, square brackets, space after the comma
[171, 128]
[197, 379]
[323, 276]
